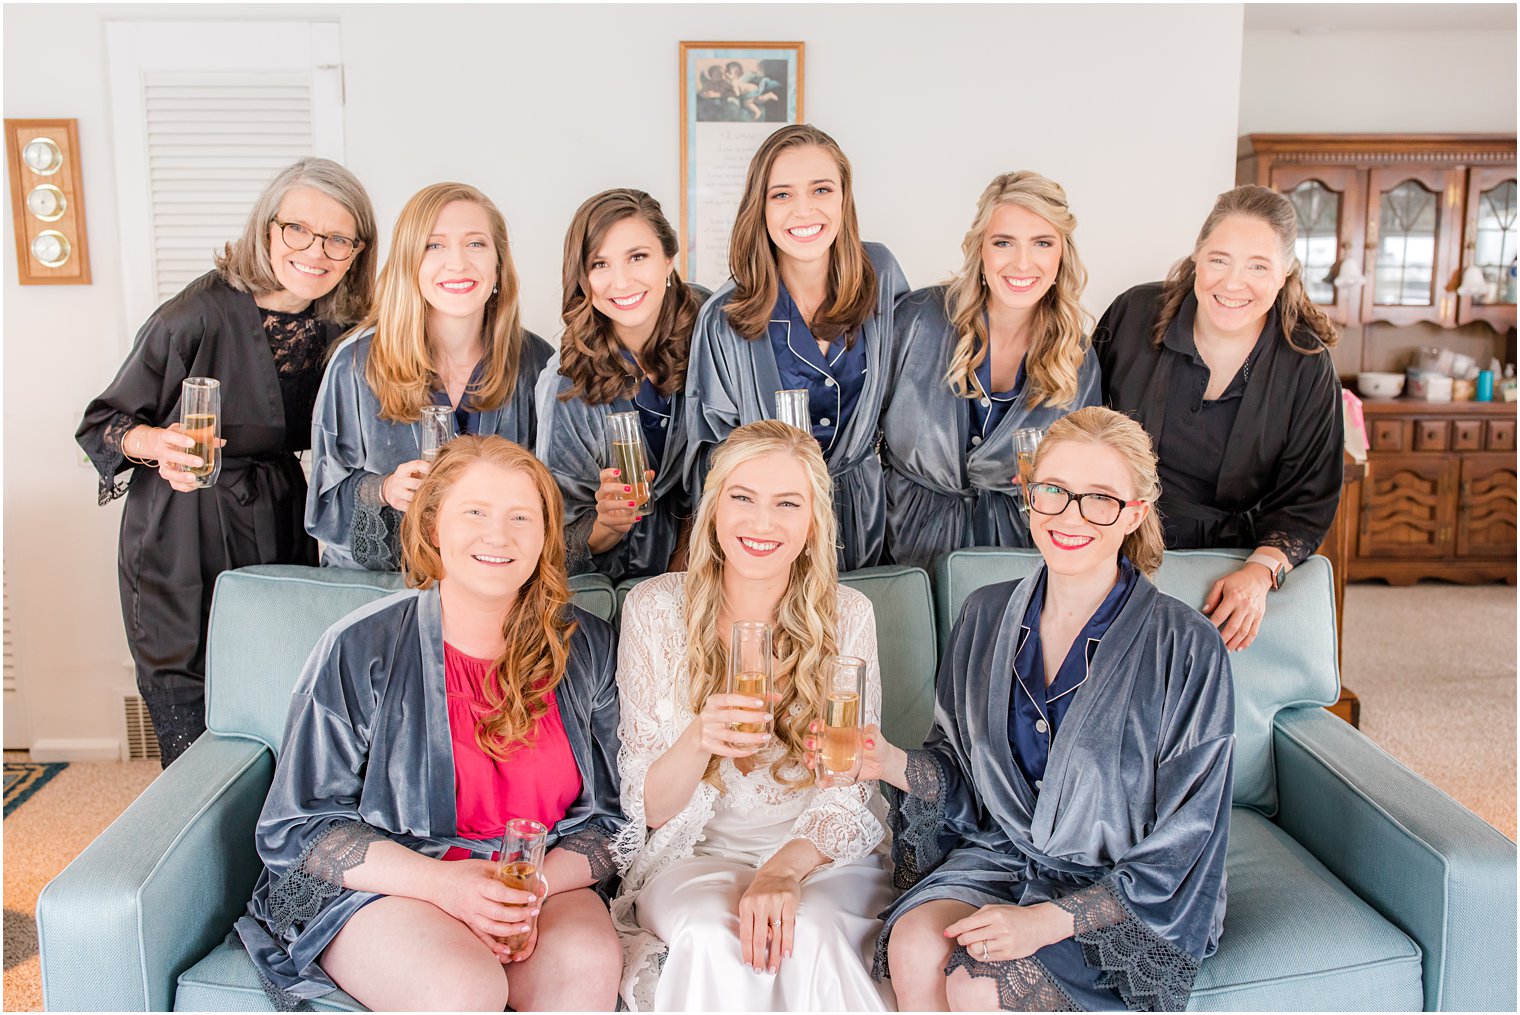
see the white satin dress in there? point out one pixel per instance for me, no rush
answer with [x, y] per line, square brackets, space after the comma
[681, 890]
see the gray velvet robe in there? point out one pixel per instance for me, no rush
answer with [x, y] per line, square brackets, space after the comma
[731, 381]
[353, 450]
[368, 754]
[1129, 832]
[939, 496]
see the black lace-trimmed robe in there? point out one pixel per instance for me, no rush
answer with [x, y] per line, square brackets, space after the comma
[1129, 830]
[367, 754]
[353, 450]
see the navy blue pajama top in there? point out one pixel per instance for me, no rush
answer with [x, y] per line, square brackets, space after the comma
[833, 382]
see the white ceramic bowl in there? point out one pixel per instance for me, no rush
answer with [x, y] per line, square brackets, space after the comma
[1378, 385]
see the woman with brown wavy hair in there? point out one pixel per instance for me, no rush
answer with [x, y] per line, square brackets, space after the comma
[810, 306]
[1227, 365]
[1061, 836]
[628, 320]
[740, 852]
[422, 724]
[1000, 348]
[444, 331]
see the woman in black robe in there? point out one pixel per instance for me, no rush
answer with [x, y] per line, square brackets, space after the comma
[1227, 365]
[260, 323]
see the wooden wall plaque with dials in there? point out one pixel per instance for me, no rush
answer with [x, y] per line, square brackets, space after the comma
[47, 202]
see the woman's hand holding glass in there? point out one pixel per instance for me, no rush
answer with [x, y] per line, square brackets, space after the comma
[468, 891]
[617, 508]
[880, 759]
[721, 714]
[400, 487]
[166, 446]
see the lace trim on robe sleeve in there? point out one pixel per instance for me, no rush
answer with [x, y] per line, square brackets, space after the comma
[375, 537]
[1296, 548]
[1022, 984]
[578, 557]
[111, 449]
[1149, 972]
[279, 999]
[317, 875]
[596, 846]
[838, 823]
[916, 818]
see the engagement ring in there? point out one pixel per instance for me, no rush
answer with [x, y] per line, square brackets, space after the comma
[776, 922]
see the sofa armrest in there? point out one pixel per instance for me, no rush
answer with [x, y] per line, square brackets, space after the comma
[1431, 866]
[160, 887]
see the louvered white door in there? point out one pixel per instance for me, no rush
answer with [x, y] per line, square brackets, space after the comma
[18, 734]
[206, 113]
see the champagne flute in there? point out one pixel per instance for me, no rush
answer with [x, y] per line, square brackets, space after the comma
[751, 668]
[437, 430]
[1025, 443]
[200, 418]
[625, 438]
[839, 762]
[792, 408]
[518, 864]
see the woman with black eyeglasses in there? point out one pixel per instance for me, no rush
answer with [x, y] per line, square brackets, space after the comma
[261, 323]
[1061, 835]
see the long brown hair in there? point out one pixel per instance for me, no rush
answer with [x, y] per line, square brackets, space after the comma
[537, 629]
[851, 294]
[244, 263]
[1293, 303]
[1058, 336]
[1098, 425]
[805, 625]
[400, 367]
[590, 353]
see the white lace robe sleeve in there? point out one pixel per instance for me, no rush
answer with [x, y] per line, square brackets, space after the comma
[643, 733]
[840, 821]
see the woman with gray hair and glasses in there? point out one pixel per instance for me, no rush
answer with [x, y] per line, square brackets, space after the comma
[260, 323]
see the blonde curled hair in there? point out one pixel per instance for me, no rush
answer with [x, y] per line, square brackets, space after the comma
[1058, 337]
[805, 624]
[538, 627]
[400, 366]
[1098, 425]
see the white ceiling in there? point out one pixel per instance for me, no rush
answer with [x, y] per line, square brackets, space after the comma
[1319, 18]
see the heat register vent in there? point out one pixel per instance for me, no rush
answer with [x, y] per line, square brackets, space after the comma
[141, 741]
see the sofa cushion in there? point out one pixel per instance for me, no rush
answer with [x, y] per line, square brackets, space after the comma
[1292, 661]
[1296, 938]
[226, 980]
[906, 648]
[265, 620]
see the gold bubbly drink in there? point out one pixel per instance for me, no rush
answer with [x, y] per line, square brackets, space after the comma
[628, 459]
[751, 684]
[523, 876]
[201, 428]
[841, 732]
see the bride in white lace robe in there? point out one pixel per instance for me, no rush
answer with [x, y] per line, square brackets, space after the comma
[682, 913]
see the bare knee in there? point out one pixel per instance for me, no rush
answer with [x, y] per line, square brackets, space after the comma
[916, 955]
[968, 993]
[472, 986]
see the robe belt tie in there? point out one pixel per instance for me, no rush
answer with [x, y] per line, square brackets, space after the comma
[1226, 528]
[270, 480]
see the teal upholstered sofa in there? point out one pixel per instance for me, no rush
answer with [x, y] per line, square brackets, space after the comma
[1354, 884]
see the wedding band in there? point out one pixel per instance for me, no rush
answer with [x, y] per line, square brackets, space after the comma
[776, 922]
[984, 951]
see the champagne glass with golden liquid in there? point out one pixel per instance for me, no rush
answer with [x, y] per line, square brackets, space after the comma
[200, 418]
[1025, 443]
[751, 668]
[839, 760]
[625, 441]
[437, 430]
[518, 865]
[792, 408]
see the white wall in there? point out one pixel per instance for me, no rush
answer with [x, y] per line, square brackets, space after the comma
[543, 106]
[1378, 81]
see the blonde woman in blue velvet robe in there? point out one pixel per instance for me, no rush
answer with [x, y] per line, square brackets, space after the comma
[445, 331]
[1061, 836]
[809, 306]
[356, 892]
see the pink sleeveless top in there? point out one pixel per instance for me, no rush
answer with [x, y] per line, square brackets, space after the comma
[539, 780]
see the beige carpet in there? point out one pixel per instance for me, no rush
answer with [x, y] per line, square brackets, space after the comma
[1404, 649]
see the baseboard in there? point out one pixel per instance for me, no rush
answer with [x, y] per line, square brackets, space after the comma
[76, 750]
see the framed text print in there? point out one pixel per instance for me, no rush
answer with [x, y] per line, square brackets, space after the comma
[733, 95]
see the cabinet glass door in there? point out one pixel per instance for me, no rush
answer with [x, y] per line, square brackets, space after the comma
[1492, 235]
[1330, 202]
[1410, 224]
